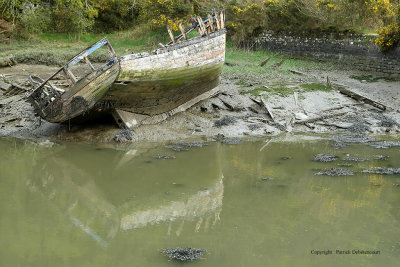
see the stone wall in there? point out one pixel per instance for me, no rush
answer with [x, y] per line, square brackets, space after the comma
[358, 51]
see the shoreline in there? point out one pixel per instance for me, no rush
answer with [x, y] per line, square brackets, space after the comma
[260, 106]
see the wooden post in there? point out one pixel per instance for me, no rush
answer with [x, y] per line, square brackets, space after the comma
[182, 30]
[217, 22]
[170, 33]
[201, 23]
[211, 23]
[222, 18]
[89, 63]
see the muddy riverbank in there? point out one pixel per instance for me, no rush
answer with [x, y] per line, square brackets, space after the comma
[296, 102]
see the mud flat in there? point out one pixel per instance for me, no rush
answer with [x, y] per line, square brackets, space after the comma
[258, 107]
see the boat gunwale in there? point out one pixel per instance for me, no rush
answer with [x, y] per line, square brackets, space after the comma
[173, 47]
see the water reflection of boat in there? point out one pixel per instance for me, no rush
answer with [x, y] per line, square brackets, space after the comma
[205, 202]
[75, 193]
[73, 190]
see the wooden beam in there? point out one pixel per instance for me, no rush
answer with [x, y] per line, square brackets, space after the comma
[182, 30]
[360, 98]
[89, 63]
[71, 76]
[217, 22]
[202, 26]
[222, 18]
[211, 23]
[171, 35]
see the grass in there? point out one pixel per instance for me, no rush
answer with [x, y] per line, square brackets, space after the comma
[56, 49]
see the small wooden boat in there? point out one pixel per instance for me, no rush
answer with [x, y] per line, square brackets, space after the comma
[57, 102]
[153, 86]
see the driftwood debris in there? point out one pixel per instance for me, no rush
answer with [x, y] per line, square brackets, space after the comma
[267, 108]
[15, 89]
[320, 118]
[7, 62]
[265, 61]
[261, 102]
[4, 86]
[297, 72]
[10, 99]
[361, 98]
[328, 82]
[11, 117]
[277, 65]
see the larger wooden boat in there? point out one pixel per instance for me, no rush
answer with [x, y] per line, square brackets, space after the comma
[151, 87]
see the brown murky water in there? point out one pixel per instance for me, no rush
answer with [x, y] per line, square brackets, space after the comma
[105, 205]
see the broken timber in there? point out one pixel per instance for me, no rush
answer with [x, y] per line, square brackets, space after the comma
[320, 118]
[130, 120]
[361, 98]
[56, 104]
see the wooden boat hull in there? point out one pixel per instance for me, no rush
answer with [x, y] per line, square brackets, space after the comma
[58, 105]
[158, 83]
[90, 91]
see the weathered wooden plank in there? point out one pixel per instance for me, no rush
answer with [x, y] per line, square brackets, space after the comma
[222, 19]
[217, 23]
[202, 26]
[320, 118]
[4, 86]
[10, 99]
[211, 22]
[182, 29]
[130, 120]
[360, 98]
[171, 35]
[8, 118]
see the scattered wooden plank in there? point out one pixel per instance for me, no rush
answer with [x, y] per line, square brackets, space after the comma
[333, 125]
[320, 118]
[4, 86]
[8, 118]
[361, 98]
[130, 120]
[10, 99]
[264, 103]
[328, 82]
[15, 89]
[280, 63]
[265, 61]
[297, 72]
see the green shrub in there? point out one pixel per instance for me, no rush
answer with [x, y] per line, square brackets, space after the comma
[35, 18]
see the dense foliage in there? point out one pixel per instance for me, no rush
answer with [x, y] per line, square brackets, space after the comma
[245, 18]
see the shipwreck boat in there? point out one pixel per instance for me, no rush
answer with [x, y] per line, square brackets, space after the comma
[59, 102]
[152, 87]
[139, 88]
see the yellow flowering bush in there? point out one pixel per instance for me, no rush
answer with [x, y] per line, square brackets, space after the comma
[245, 21]
[163, 12]
[389, 36]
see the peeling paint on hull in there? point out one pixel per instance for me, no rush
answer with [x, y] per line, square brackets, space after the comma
[170, 77]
